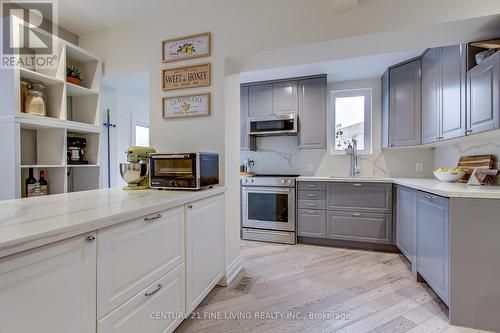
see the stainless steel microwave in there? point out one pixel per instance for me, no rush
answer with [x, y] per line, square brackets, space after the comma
[273, 125]
[183, 171]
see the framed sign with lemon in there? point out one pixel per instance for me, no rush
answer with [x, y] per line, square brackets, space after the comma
[186, 106]
[187, 47]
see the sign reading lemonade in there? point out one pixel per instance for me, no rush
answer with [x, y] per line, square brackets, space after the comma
[186, 106]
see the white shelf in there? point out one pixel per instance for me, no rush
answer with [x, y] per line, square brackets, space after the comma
[74, 90]
[82, 165]
[78, 54]
[30, 121]
[42, 166]
[38, 77]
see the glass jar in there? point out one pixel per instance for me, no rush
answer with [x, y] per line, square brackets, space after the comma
[35, 100]
[25, 86]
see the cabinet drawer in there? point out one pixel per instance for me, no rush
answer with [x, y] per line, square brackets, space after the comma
[312, 204]
[312, 186]
[367, 197]
[311, 223]
[359, 227]
[312, 195]
[133, 255]
[142, 312]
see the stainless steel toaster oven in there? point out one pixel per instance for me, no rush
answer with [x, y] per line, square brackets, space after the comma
[184, 171]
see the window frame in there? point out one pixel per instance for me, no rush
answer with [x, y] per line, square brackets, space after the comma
[368, 140]
[143, 124]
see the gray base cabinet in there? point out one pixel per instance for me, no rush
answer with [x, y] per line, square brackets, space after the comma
[312, 223]
[433, 244]
[359, 227]
[406, 221]
[354, 212]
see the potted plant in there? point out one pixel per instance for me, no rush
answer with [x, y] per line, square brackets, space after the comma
[73, 75]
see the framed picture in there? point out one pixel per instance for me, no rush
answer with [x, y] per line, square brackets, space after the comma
[187, 47]
[186, 106]
[186, 77]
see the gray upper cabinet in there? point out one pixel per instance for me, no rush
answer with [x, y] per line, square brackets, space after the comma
[405, 104]
[312, 113]
[260, 100]
[246, 142]
[443, 93]
[406, 221]
[483, 95]
[285, 98]
[453, 91]
[433, 245]
[431, 91]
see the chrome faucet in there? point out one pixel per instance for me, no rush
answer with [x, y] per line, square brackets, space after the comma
[353, 150]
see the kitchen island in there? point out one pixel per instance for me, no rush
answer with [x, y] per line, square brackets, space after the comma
[106, 260]
[448, 231]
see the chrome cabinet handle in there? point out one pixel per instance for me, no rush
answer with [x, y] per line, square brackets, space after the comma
[311, 185]
[311, 195]
[357, 214]
[311, 212]
[152, 218]
[189, 206]
[429, 197]
[357, 185]
[311, 205]
[154, 291]
[90, 238]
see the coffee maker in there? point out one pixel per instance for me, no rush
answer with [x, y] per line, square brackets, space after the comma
[76, 150]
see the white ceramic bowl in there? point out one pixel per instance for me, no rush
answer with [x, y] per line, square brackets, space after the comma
[449, 176]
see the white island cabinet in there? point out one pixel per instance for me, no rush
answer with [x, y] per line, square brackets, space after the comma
[138, 263]
[50, 289]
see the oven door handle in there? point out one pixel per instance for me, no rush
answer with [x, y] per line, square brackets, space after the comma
[267, 189]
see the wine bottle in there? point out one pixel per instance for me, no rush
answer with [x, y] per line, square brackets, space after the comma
[29, 183]
[43, 185]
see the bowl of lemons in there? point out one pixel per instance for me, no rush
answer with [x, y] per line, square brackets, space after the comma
[449, 174]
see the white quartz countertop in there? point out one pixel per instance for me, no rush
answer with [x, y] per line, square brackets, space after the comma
[31, 222]
[431, 185]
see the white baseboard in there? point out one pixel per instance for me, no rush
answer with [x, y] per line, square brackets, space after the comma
[232, 270]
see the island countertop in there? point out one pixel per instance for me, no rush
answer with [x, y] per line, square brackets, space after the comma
[431, 185]
[32, 222]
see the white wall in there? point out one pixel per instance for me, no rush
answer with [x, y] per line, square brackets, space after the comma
[248, 28]
[281, 154]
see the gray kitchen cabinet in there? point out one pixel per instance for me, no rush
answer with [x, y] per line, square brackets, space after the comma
[312, 186]
[405, 104]
[311, 195]
[285, 98]
[311, 204]
[359, 197]
[260, 100]
[433, 245]
[359, 227]
[453, 91]
[386, 140]
[312, 113]
[312, 223]
[247, 142]
[483, 92]
[431, 88]
[406, 221]
[443, 93]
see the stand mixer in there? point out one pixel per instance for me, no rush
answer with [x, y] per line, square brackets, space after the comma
[135, 171]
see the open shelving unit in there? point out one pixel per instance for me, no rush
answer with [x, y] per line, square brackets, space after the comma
[41, 142]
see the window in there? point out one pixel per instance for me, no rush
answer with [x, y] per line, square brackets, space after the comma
[141, 134]
[351, 118]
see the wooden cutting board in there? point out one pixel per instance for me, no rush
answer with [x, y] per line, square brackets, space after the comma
[469, 163]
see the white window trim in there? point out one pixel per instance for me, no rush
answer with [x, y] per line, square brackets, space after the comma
[367, 93]
[141, 123]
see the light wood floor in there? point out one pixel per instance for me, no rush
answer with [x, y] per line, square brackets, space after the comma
[350, 290]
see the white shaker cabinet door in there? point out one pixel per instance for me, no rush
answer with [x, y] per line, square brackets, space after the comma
[50, 289]
[132, 255]
[204, 248]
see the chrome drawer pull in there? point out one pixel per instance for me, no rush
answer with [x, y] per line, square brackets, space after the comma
[357, 185]
[429, 197]
[154, 291]
[311, 195]
[90, 238]
[311, 212]
[152, 218]
[312, 205]
[357, 214]
[311, 185]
